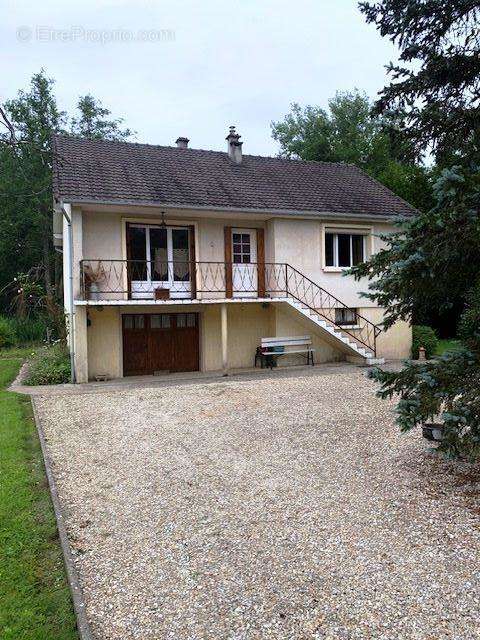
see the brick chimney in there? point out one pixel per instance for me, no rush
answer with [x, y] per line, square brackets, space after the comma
[182, 143]
[234, 146]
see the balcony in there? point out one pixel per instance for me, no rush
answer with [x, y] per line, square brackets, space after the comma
[145, 280]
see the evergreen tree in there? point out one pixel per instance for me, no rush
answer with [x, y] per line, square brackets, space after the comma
[433, 259]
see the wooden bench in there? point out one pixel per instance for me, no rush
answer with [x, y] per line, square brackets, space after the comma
[272, 348]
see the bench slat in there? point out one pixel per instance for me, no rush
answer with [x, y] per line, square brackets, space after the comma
[301, 343]
[284, 339]
[287, 353]
[293, 343]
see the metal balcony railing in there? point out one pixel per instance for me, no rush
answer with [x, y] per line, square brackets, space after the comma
[141, 280]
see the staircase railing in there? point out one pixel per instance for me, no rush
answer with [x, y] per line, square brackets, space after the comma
[327, 306]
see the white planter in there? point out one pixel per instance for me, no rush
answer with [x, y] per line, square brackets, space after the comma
[94, 291]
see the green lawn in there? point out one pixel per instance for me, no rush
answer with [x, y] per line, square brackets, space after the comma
[35, 602]
[446, 345]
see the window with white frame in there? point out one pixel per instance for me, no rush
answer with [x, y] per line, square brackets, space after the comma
[344, 249]
[159, 253]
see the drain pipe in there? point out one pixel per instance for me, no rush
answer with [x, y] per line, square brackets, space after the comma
[68, 219]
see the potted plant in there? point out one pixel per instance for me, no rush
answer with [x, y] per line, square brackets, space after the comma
[92, 278]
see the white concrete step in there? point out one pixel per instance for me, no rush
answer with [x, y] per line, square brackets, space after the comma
[359, 353]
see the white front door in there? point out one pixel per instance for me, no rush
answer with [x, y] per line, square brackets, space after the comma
[244, 263]
[160, 259]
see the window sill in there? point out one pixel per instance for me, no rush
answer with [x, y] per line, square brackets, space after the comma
[335, 269]
[349, 326]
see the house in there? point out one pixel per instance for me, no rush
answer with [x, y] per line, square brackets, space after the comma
[180, 259]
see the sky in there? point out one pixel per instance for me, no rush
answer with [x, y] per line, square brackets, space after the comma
[193, 67]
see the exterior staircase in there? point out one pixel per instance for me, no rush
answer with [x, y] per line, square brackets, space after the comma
[355, 351]
[319, 306]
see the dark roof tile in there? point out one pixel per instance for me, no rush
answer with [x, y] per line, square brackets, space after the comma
[106, 171]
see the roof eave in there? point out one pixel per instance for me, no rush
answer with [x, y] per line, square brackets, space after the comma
[244, 210]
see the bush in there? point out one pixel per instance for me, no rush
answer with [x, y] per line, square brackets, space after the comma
[7, 333]
[29, 330]
[425, 337]
[49, 365]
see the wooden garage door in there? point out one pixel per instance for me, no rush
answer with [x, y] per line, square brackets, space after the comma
[160, 342]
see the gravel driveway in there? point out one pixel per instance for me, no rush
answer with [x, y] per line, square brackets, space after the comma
[278, 507]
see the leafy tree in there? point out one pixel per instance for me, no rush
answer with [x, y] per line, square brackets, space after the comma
[304, 133]
[433, 259]
[29, 121]
[344, 133]
[348, 132]
[94, 123]
[25, 181]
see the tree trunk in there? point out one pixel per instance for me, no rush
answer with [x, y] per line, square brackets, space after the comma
[47, 249]
[46, 264]
[58, 276]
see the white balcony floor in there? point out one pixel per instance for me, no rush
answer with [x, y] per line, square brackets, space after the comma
[174, 301]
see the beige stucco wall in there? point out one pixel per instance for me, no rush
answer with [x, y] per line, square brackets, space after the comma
[80, 346]
[300, 243]
[104, 233]
[394, 344]
[105, 342]
[247, 324]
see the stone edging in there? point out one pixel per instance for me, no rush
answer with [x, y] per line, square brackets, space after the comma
[83, 626]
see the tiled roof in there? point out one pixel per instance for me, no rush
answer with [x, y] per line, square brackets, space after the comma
[106, 171]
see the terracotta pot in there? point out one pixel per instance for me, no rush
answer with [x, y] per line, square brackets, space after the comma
[162, 294]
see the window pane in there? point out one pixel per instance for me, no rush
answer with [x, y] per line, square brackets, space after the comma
[329, 250]
[160, 321]
[357, 249]
[155, 322]
[181, 267]
[181, 320]
[158, 254]
[138, 322]
[138, 253]
[128, 322]
[352, 316]
[191, 320]
[344, 250]
[236, 237]
[345, 316]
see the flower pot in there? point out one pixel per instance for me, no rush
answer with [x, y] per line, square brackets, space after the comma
[162, 294]
[433, 431]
